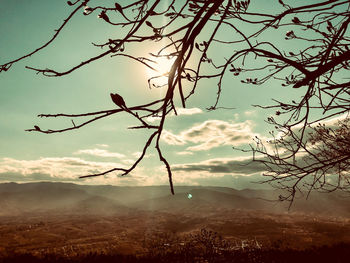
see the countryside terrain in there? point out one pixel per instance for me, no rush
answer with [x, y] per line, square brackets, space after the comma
[71, 221]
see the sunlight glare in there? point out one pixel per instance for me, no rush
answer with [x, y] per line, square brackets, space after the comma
[162, 67]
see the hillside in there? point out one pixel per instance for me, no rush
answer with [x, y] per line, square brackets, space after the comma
[70, 220]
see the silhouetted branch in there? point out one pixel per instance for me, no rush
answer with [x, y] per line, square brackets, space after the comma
[188, 31]
[6, 66]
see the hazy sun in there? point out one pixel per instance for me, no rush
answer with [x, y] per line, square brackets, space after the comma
[162, 67]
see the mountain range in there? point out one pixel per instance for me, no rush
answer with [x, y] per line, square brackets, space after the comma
[43, 197]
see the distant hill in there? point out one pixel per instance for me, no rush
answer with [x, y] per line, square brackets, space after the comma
[44, 197]
[16, 199]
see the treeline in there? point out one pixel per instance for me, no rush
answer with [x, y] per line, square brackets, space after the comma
[204, 248]
[335, 254]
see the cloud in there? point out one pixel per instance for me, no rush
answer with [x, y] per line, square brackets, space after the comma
[102, 145]
[153, 119]
[187, 111]
[137, 155]
[128, 161]
[250, 113]
[184, 153]
[238, 173]
[207, 145]
[211, 172]
[179, 111]
[64, 169]
[100, 153]
[211, 134]
[68, 169]
[221, 180]
[171, 138]
[240, 165]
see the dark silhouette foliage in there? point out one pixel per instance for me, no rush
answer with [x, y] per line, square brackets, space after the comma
[338, 254]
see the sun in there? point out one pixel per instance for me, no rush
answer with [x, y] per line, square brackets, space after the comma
[159, 74]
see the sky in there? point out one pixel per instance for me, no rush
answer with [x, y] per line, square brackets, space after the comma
[197, 143]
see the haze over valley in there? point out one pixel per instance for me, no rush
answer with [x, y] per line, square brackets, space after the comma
[71, 219]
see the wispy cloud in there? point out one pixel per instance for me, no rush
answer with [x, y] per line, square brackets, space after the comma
[223, 180]
[250, 113]
[211, 134]
[187, 111]
[238, 173]
[221, 172]
[100, 153]
[66, 168]
[184, 153]
[153, 118]
[239, 165]
[172, 139]
[179, 111]
[102, 145]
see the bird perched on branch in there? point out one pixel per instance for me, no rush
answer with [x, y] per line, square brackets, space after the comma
[118, 100]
